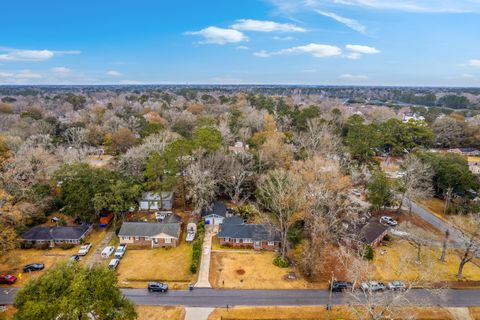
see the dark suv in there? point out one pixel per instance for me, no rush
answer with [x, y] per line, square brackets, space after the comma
[339, 286]
[157, 286]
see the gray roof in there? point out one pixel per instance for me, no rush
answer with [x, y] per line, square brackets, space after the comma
[148, 229]
[256, 232]
[233, 220]
[218, 208]
[41, 233]
[372, 231]
[155, 196]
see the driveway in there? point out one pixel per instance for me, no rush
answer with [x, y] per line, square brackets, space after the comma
[204, 271]
[96, 257]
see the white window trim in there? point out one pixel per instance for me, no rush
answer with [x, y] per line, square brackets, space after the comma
[247, 241]
[125, 238]
[168, 240]
[237, 240]
[147, 238]
[271, 243]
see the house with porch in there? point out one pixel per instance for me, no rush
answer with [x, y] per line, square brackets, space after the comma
[150, 234]
[373, 233]
[235, 233]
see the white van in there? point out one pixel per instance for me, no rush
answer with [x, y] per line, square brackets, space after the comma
[107, 252]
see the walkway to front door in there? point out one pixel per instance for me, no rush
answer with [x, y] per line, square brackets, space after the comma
[204, 272]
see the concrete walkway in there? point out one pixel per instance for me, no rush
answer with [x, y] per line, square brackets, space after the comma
[204, 272]
[97, 254]
[197, 313]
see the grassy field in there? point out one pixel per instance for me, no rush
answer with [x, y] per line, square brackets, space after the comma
[436, 206]
[318, 313]
[251, 270]
[160, 312]
[171, 265]
[398, 261]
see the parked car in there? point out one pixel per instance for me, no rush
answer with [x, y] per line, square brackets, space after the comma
[191, 231]
[84, 249]
[388, 220]
[396, 285]
[113, 264]
[107, 252]
[120, 251]
[56, 219]
[157, 286]
[33, 267]
[7, 279]
[373, 286]
[339, 286]
[74, 258]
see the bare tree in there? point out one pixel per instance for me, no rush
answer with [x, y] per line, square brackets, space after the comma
[319, 138]
[449, 132]
[471, 247]
[237, 169]
[417, 236]
[201, 186]
[279, 193]
[416, 183]
[75, 137]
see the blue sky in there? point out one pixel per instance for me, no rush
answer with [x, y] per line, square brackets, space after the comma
[324, 42]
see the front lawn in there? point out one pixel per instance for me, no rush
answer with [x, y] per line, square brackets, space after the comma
[251, 270]
[398, 262]
[160, 312]
[171, 265]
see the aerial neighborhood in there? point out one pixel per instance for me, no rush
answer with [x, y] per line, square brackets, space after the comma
[158, 189]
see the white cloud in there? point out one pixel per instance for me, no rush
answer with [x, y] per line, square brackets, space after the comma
[215, 35]
[315, 49]
[353, 77]
[356, 51]
[60, 70]
[474, 63]
[352, 24]
[11, 54]
[132, 82]
[114, 73]
[265, 26]
[288, 38]
[19, 77]
[243, 48]
[420, 6]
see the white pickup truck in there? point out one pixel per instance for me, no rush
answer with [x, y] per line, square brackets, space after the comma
[84, 249]
[120, 251]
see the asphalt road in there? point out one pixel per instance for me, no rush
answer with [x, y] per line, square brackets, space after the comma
[222, 298]
[456, 237]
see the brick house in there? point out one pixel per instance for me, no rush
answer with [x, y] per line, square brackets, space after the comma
[56, 236]
[150, 234]
[373, 233]
[235, 233]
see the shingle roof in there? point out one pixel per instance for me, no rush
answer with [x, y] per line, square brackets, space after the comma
[218, 208]
[155, 196]
[233, 220]
[55, 233]
[371, 231]
[148, 229]
[256, 232]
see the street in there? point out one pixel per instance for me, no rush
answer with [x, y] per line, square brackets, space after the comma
[220, 298]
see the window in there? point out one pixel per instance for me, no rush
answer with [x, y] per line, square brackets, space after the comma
[126, 238]
[168, 240]
[237, 240]
[137, 238]
[226, 239]
[147, 238]
[247, 241]
[271, 243]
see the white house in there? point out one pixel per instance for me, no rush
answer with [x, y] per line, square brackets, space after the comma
[151, 201]
[216, 214]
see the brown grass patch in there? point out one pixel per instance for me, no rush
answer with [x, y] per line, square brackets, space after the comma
[259, 272]
[475, 313]
[398, 261]
[317, 313]
[240, 272]
[171, 265]
[160, 312]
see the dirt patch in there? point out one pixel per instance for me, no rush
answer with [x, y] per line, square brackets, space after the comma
[240, 272]
[160, 312]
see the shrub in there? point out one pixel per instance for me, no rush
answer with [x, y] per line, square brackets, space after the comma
[43, 246]
[66, 246]
[247, 211]
[280, 262]
[197, 247]
[387, 238]
[26, 245]
[368, 253]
